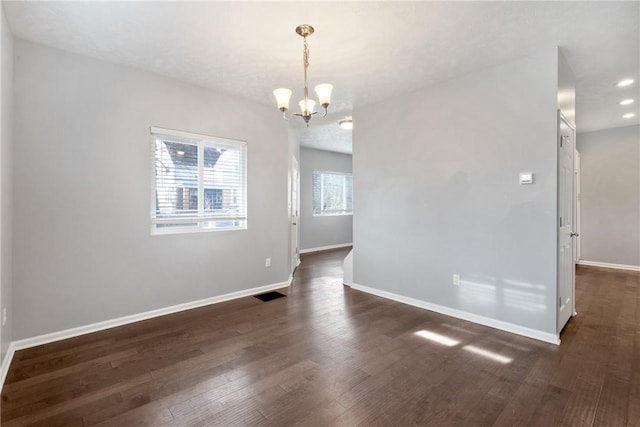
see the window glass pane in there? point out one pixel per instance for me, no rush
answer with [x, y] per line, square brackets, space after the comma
[223, 179]
[317, 192]
[348, 193]
[332, 193]
[212, 199]
[176, 168]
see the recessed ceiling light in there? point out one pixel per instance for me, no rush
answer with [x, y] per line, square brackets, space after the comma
[180, 153]
[346, 124]
[625, 82]
[627, 102]
[628, 115]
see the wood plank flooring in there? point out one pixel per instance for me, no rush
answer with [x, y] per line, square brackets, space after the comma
[327, 355]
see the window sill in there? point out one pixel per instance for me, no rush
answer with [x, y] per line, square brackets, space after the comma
[187, 230]
[333, 214]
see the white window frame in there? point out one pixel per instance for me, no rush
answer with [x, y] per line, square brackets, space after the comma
[330, 213]
[200, 219]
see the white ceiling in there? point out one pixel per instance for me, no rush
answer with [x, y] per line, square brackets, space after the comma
[370, 51]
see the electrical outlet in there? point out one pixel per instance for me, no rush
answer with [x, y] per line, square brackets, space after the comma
[4, 315]
[267, 262]
[456, 279]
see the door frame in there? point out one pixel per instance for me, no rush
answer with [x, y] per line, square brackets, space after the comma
[577, 206]
[563, 119]
[294, 214]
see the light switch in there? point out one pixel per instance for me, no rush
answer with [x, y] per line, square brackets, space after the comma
[526, 177]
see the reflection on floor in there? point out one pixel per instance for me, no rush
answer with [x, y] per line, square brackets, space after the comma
[329, 355]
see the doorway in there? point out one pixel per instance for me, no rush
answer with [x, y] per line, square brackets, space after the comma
[566, 223]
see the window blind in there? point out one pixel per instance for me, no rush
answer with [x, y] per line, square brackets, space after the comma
[332, 193]
[199, 182]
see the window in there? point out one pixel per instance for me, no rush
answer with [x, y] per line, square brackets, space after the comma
[199, 183]
[332, 193]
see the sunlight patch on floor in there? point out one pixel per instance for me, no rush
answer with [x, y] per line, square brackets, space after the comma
[440, 339]
[488, 354]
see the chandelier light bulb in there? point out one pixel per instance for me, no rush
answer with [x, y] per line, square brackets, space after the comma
[309, 108]
[324, 94]
[282, 98]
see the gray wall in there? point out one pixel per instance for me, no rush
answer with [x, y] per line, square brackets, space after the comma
[320, 231]
[610, 195]
[83, 251]
[566, 89]
[6, 193]
[437, 193]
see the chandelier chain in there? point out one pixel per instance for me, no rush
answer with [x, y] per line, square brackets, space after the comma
[305, 60]
[305, 54]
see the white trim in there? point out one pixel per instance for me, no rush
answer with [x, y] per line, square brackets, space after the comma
[197, 136]
[325, 248]
[486, 321]
[165, 231]
[6, 362]
[190, 219]
[107, 324]
[333, 213]
[609, 265]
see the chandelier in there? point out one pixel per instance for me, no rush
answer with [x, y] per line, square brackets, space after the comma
[307, 105]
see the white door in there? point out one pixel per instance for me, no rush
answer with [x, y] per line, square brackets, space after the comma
[566, 266]
[295, 183]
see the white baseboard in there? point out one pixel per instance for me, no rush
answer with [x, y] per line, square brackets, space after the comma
[609, 265]
[6, 362]
[107, 324]
[325, 248]
[486, 321]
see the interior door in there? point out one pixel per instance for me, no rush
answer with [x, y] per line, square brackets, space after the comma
[295, 184]
[566, 203]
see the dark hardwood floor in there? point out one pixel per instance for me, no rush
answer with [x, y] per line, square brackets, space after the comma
[329, 355]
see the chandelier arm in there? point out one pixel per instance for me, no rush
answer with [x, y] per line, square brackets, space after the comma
[306, 116]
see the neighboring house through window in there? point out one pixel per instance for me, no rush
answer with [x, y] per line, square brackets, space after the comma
[332, 193]
[199, 182]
